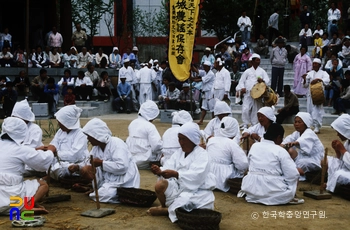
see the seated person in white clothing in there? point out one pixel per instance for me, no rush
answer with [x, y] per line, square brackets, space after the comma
[170, 139]
[272, 176]
[304, 146]
[227, 159]
[221, 110]
[144, 141]
[114, 164]
[339, 166]
[69, 143]
[256, 132]
[13, 158]
[187, 181]
[34, 134]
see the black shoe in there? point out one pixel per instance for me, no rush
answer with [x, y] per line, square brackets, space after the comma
[128, 111]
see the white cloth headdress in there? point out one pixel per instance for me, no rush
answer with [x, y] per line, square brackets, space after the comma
[69, 116]
[342, 125]
[181, 117]
[228, 127]
[268, 112]
[98, 129]
[22, 110]
[16, 128]
[306, 117]
[221, 107]
[149, 110]
[191, 131]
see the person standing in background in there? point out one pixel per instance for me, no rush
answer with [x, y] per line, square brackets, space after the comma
[333, 14]
[245, 25]
[273, 25]
[278, 60]
[79, 37]
[55, 38]
[305, 17]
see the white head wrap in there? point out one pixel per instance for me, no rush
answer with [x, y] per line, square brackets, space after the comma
[255, 55]
[69, 116]
[135, 48]
[268, 112]
[115, 48]
[16, 128]
[149, 110]
[22, 110]
[98, 129]
[73, 47]
[207, 49]
[342, 125]
[150, 62]
[181, 117]
[306, 117]
[221, 107]
[317, 60]
[191, 131]
[126, 60]
[228, 127]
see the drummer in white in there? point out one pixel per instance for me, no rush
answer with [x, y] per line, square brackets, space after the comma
[314, 76]
[248, 79]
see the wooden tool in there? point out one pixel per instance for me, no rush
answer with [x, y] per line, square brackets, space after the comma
[98, 212]
[320, 194]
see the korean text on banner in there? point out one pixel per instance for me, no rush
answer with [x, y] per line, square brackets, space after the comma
[183, 22]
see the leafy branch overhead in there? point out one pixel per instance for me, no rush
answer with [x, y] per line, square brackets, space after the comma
[90, 13]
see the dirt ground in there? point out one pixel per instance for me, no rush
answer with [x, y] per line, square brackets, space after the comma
[236, 212]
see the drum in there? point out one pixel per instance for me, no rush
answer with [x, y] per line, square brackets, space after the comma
[258, 90]
[317, 93]
[270, 97]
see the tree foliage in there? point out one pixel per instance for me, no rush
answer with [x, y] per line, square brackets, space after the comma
[151, 23]
[90, 13]
[319, 10]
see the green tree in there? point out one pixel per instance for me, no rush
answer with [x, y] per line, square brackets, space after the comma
[90, 13]
[151, 23]
[319, 9]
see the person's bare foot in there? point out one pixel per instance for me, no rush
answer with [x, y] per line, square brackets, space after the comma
[200, 123]
[158, 211]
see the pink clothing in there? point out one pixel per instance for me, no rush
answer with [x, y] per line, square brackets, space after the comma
[301, 65]
[245, 57]
[55, 40]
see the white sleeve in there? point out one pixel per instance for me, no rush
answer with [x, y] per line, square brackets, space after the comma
[119, 163]
[38, 160]
[239, 158]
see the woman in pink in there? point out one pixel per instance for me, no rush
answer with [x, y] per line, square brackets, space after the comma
[301, 65]
[245, 57]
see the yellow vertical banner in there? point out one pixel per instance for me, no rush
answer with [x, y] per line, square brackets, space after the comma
[183, 23]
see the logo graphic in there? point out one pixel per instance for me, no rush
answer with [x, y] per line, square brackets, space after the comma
[19, 214]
